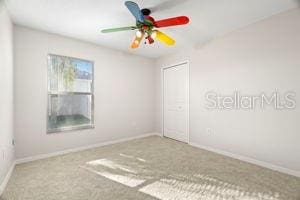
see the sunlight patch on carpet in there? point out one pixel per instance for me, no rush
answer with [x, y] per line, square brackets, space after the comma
[125, 180]
[132, 157]
[110, 164]
[206, 188]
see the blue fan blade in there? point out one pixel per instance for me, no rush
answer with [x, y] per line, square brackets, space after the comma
[135, 10]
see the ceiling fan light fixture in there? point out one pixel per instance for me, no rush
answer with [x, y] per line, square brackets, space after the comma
[153, 34]
[139, 34]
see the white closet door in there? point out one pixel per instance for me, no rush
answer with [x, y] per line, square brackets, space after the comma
[176, 102]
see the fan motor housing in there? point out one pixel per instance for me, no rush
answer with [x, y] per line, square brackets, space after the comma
[146, 11]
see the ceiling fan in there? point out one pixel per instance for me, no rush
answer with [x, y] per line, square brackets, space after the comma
[146, 26]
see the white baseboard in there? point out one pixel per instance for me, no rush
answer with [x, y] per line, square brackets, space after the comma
[249, 160]
[48, 155]
[159, 134]
[6, 179]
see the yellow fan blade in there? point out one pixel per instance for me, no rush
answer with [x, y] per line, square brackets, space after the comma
[164, 38]
[136, 42]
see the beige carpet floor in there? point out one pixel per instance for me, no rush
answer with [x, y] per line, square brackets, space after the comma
[146, 169]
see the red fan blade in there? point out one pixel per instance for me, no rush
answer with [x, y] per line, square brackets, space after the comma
[172, 22]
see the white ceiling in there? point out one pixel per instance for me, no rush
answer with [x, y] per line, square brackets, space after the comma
[83, 19]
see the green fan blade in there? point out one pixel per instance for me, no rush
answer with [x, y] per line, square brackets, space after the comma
[111, 30]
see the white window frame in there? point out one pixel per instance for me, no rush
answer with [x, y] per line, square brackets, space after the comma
[49, 93]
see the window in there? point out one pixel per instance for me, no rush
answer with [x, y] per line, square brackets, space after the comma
[70, 94]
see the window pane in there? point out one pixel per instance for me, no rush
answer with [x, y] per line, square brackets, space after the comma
[69, 111]
[69, 75]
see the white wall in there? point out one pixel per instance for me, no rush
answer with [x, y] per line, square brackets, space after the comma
[6, 93]
[262, 57]
[124, 93]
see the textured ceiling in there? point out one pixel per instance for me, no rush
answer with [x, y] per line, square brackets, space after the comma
[83, 19]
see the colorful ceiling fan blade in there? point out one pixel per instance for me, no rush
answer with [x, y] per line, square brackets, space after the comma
[137, 41]
[111, 30]
[135, 11]
[175, 21]
[164, 38]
